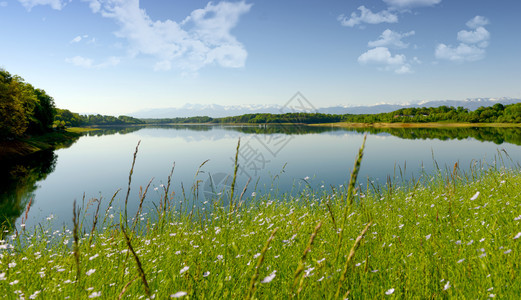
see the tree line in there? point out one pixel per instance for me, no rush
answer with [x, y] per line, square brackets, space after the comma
[66, 118]
[23, 108]
[498, 113]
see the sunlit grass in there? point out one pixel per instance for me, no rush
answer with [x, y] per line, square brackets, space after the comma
[447, 236]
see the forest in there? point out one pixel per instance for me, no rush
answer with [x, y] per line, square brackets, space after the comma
[497, 113]
[66, 118]
[23, 108]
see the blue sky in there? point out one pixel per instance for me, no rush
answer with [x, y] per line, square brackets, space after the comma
[117, 56]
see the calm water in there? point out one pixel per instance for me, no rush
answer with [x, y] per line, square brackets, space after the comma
[277, 158]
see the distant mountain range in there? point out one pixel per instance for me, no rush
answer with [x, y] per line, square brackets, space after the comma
[218, 111]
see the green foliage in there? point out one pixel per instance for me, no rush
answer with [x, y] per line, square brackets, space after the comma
[23, 109]
[497, 113]
[450, 236]
[197, 119]
[66, 118]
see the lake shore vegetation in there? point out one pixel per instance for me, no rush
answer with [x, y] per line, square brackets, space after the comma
[448, 234]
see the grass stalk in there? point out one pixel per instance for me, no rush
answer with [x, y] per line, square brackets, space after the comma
[75, 216]
[255, 276]
[235, 167]
[130, 180]
[350, 257]
[300, 267]
[138, 262]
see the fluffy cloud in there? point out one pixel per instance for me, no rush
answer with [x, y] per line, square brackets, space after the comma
[461, 53]
[88, 63]
[477, 21]
[367, 16]
[3, 4]
[410, 3]
[55, 4]
[383, 57]
[478, 36]
[201, 39]
[472, 43]
[391, 38]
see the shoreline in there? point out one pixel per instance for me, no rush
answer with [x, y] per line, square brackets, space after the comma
[416, 125]
[32, 144]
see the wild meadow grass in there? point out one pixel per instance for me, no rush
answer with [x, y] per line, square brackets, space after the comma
[447, 235]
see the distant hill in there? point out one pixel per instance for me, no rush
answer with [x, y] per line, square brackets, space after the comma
[219, 111]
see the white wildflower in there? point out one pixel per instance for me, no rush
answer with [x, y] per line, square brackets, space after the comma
[93, 257]
[33, 296]
[428, 236]
[178, 295]
[184, 269]
[95, 294]
[269, 277]
[389, 292]
[447, 286]
[475, 196]
[90, 272]
[518, 235]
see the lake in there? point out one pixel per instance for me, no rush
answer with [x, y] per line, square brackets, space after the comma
[278, 159]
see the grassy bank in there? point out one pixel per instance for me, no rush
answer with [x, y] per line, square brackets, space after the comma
[454, 235]
[416, 125]
[31, 144]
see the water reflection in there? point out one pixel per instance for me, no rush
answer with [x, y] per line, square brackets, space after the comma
[18, 182]
[98, 163]
[497, 135]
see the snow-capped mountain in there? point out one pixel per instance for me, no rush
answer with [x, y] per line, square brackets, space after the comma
[218, 111]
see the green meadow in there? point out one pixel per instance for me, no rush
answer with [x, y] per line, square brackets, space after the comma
[449, 234]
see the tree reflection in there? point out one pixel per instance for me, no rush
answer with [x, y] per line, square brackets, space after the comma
[18, 181]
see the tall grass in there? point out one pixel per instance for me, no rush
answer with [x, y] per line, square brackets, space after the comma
[452, 235]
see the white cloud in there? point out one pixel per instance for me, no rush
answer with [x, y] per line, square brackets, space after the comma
[461, 53]
[88, 63]
[472, 43]
[367, 16]
[404, 69]
[477, 21]
[480, 35]
[382, 56]
[411, 3]
[78, 38]
[54, 4]
[3, 4]
[201, 39]
[80, 61]
[391, 38]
